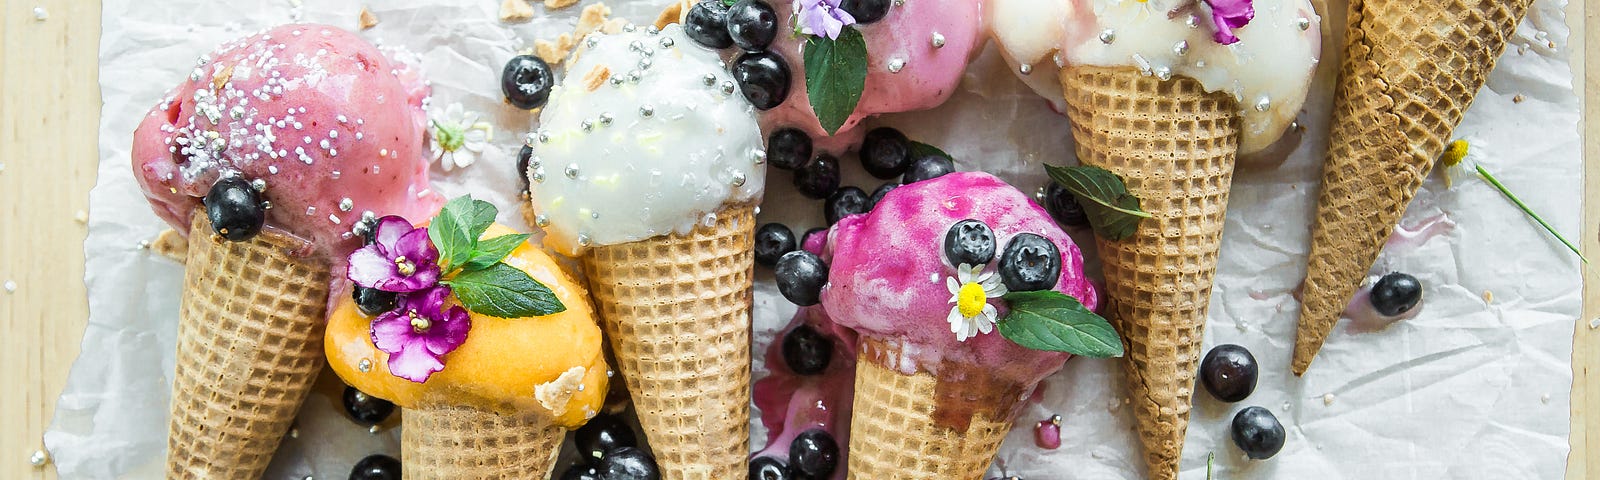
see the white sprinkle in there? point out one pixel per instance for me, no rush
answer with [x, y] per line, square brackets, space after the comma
[358, 135]
[1327, 399]
[333, 134]
[383, 152]
[307, 139]
[335, 174]
[311, 211]
[333, 218]
[324, 144]
[341, 119]
[346, 204]
[82, 217]
[896, 64]
[1545, 399]
[39, 457]
[40, 14]
[273, 169]
[10, 286]
[1594, 323]
[938, 40]
[373, 430]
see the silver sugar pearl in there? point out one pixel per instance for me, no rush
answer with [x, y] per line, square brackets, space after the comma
[896, 64]
[1107, 36]
[633, 75]
[1263, 104]
[666, 42]
[541, 220]
[346, 204]
[630, 28]
[1303, 22]
[616, 80]
[39, 458]
[529, 139]
[937, 40]
[538, 175]
[594, 215]
[1181, 48]
[591, 40]
[586, 125]
[738, 179]
[583, 239]
[727, 88]
[368, 216]
[710, 79]
[1163, 73]
[1025, 69]
[644, 64]
[635, 46]
[760, 156]
[259, 185]
[572, 170]
[647, 111]
[605, 119]
[364, 366]
[1193, 21]
[1038, 195]
[371, 430]
[652, 30]
[543, 136]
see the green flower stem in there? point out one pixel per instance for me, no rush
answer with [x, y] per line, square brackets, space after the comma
[1210, 457]
[1507, 192]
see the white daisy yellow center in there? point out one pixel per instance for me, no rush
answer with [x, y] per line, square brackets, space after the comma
[971, 299]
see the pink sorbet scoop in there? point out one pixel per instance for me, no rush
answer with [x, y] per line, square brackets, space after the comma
[890, 277]
[327, 126]
[916, 56]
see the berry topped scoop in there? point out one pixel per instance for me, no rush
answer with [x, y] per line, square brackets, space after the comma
[890, 271]
[321, 124]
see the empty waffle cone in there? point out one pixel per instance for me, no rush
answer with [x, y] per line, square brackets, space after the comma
[922, 426]
[1174, 145]
[448, 442]
[249, 349]
[676, 309]
[1411, 69]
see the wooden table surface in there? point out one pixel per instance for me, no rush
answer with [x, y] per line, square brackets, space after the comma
[49, 114]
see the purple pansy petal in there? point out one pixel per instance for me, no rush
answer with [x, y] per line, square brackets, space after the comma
[416, 247]
[1227, 15]
[822, 17]
[414, 363]
[392, 331]
[421, 279]
[450, 333]
[369, 267]
[390, 229]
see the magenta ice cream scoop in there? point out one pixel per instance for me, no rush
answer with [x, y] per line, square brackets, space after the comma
[916, 56]
[325, 124]
[890, 278]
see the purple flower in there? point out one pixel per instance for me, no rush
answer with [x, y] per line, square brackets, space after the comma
[400, 259]
[1228, 15]
[822, 17]
[419, 333]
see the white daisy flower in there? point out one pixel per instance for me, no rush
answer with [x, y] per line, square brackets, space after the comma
[970, 291]
[458, 136]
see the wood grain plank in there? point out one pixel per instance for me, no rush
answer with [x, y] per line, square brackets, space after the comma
[1583, 462]
[49, 111]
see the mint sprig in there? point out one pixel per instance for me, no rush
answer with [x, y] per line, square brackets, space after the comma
[1053, 321]
[836, 73]
[474, 268]
[1113, 212]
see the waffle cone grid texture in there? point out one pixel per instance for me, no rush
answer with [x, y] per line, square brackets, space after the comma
[449, 442]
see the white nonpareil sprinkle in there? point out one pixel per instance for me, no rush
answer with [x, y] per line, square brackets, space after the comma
[40, 14]
[1327, 399]
[10, 286]
[39, 458]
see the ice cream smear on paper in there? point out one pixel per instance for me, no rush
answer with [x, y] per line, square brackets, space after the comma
[322, 123]
[646, 136]
[1268, 69]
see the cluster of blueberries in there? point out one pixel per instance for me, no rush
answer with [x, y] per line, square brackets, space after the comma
[367, 411]
[609, 450]
[814, 454]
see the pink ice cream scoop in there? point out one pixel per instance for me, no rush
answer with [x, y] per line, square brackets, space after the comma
[324, 124]
[889, 276]
[916, 56]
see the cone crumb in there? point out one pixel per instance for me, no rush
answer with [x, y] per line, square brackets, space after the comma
[515, 11]
[559, 4]
[367, 19]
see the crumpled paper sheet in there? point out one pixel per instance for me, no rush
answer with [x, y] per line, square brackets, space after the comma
[1471, 388]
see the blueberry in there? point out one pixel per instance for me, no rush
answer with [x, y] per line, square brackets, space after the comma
[763, 78]
[806, 351]
[814, 453]
[376, 467]
[707, 24]
[603, 434]
[1396, 293]
[629, 463]
[234, 208]
[845, 202]
[524, 157]
[772, 241]
[1030, 262]
[1258, 433]
[769, 468]
[931, 166]
[801, 275]
[878, 193]
[752, 24]
[866, 11]
[372, 301]
[885, 153]
[1063, 206]
[527, 81]
[788, 148]
[818, 178]
[1229, 372]
[582, 472]
[970, 242]
[366, 410]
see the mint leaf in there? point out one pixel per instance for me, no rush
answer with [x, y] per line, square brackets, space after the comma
[456, 229]
[1053, 321]
[1113, 212]
[836, 72]
[919, 150]
[504, 291]
[491, 251]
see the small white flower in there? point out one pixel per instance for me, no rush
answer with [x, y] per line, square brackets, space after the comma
[458, 137]
[970, 291]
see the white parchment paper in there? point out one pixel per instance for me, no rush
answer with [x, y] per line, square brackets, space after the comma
[1476, 386]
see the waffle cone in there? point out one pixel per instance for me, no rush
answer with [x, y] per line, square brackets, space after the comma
[1174, 145]
[448, 442]
[249, 349]
[1411, 69]
[922, 426]
[677, 312]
